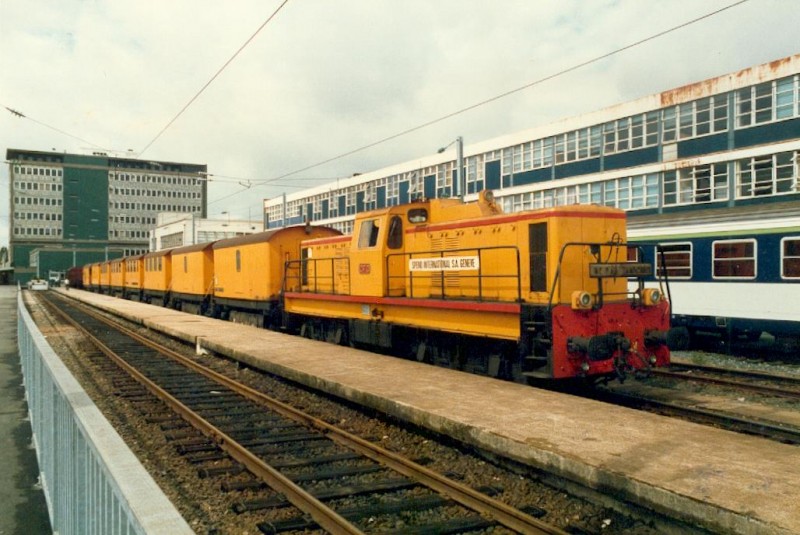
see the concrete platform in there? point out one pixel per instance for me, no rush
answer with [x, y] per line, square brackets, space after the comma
[23, 508]
[722, 481]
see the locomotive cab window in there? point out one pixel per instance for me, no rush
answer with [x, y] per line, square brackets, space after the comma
[417, 216]
[395, 239]
[734, 259]
[790, 258]
[368, 234]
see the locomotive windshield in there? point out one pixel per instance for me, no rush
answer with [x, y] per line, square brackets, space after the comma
[418, 215]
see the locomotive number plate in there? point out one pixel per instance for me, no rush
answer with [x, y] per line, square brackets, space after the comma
[620, 269]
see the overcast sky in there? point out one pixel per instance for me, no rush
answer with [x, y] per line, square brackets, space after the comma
[324, 77]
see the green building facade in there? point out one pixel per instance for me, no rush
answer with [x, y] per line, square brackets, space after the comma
[70, 209]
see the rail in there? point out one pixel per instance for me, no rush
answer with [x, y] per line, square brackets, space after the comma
[168, 361]
[92, 482]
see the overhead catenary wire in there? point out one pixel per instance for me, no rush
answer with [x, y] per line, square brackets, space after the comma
[495, 98]
[214, 77]
[21, 115]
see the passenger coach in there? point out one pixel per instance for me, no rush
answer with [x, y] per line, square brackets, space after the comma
[734, 272]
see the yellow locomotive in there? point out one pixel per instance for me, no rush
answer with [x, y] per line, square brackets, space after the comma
[545, 294]
[536, 294]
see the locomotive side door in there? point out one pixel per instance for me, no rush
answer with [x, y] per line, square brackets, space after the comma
[396, 261]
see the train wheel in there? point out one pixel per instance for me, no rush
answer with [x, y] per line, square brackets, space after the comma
[678, 339]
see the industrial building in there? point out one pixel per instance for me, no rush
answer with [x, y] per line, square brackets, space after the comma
[724, 142]
[71, 209]
[181, 229]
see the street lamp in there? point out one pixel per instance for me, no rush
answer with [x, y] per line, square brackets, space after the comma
[460, 187]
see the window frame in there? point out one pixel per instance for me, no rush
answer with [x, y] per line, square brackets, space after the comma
[714, 259]
[369, 233]
[657, 267]
[783, 257]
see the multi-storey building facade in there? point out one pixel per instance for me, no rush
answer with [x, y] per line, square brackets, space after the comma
[68, 209]
[722, 142]
[179, 230]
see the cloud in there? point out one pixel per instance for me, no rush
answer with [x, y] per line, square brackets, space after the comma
[325, 77]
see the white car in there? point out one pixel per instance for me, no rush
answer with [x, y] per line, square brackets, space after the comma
[38, 284]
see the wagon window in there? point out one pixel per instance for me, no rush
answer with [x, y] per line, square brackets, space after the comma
[677, 257]
[395, 239]
[368, 235]
[238, 260]
[186, 264]
[790, 258]
[734, 259]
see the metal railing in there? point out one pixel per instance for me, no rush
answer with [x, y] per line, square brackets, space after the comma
[330, 275]
[482, 279]
[92, 482]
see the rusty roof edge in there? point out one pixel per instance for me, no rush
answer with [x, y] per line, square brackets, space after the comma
[729, 82]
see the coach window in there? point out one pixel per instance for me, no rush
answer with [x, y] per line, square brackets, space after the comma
[734, 259]
[395, 239]
[368, 234]
[676, 258]
[790, 258]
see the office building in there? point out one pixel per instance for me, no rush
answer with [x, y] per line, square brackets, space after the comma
[71, 209]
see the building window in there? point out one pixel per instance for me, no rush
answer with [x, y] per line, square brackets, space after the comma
[697, 118]
[676, 258]
[769, 101]
[703, 183]
[475, 173]
[766, 175]
[734, 259]
[790, 258]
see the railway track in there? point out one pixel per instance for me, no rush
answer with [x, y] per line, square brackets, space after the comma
[309, 473]
[769, 384]
[652, 398]
[740, 424]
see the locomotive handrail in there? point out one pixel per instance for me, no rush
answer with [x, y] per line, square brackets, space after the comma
[301, 266]
[598, 245]
[480, 276]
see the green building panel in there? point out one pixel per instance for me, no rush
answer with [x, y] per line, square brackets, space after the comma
[20, 253]
[85, 198]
